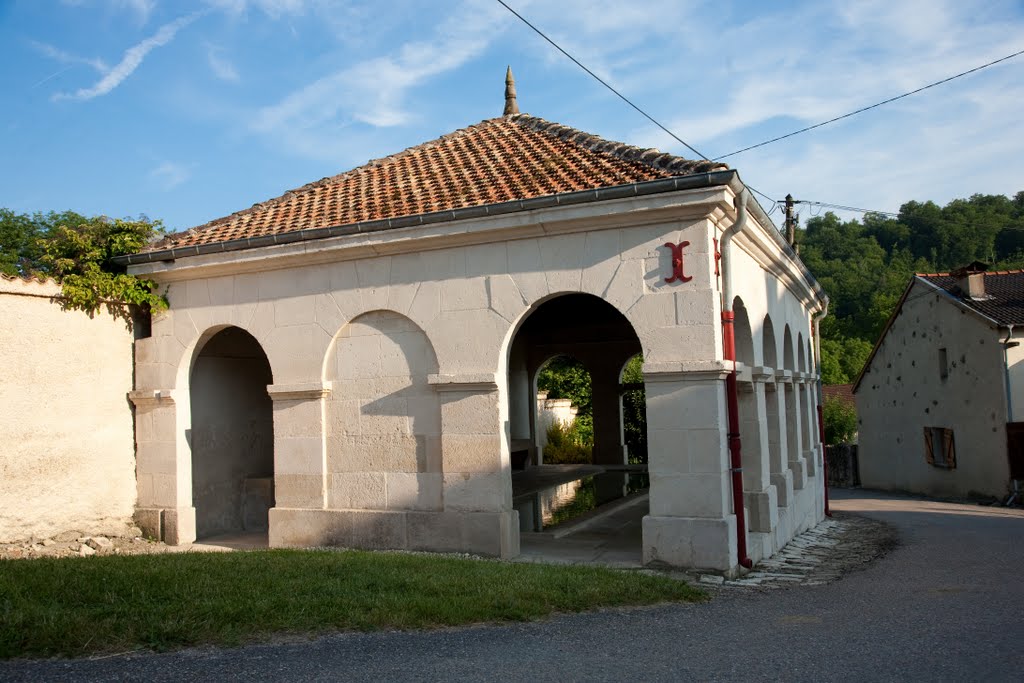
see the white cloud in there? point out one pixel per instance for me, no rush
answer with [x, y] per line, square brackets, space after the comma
[68, 58]
[373, 92]
[168, 174]
[132, 59]
[221, 67]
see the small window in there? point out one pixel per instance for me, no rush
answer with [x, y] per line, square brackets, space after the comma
[943, 365]
[939, 447]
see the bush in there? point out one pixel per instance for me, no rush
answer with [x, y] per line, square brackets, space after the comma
[567, 445]
[840, 421]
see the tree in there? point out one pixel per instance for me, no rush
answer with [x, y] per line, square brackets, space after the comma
[79, 252]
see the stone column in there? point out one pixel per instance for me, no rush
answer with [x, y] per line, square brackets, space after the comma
[758, 492]
[299, 457]
[809, 417]
[691, 522]
[163, 466]
[608, 446]
[775, 414]
[792, 419]
[477, 476]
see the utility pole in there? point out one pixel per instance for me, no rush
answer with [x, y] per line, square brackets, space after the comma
[790, 220]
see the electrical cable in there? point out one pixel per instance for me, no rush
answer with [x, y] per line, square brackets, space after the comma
[602, 82]
[864, 109]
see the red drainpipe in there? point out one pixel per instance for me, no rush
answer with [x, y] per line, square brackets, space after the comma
[735, 453]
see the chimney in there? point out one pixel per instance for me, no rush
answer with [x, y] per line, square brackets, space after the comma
[511, 106]
[970, 280]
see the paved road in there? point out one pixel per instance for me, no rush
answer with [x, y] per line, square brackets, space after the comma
[945, 605]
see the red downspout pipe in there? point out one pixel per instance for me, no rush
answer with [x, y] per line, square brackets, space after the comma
[732, 400]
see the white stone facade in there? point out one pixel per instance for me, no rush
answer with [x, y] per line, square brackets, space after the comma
[396, 402]
[66, 457]
[906, 388]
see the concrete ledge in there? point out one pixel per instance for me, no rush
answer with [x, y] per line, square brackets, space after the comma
[299, 392]
[494, 534]
[691, 542]
[480, 381]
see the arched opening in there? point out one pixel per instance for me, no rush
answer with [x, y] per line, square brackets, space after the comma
[775, 407]
[769, 354]
[565, 412]
[753, 445]
[574, 346]
[792, 411]
[232, 435]
[633, 407]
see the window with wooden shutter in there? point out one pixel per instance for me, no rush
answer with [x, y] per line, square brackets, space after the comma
[940, 447]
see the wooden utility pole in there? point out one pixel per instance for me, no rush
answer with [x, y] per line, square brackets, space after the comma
[790, 221]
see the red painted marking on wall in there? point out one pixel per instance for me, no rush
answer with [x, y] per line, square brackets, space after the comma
[677, 262]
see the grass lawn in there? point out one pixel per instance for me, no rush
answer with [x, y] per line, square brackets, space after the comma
[80, 606]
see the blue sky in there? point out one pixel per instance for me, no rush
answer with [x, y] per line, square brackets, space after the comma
[188, 111]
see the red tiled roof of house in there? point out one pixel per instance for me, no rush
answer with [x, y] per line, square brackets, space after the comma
[498, 160]
[1004, 294]
[843, 392]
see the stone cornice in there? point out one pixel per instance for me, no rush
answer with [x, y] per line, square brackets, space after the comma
[305, 391]
[476, 382]
[691, 371]
[150, 398]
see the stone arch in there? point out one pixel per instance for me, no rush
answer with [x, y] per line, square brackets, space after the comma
[383, 418]
[769, 350]
[787, 349]
[810, 357]
[582, 326]
[801, 357]
[742, 333]
[231, 433]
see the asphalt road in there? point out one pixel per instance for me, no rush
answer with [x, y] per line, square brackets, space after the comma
[945, 605]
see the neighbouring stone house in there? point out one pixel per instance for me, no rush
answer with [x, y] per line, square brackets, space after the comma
[939, 396]
[353, 363]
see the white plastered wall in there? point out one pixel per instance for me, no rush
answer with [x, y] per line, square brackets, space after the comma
[66, 449]
[902, 392]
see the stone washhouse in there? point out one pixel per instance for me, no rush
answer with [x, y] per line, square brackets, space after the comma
[353, 363]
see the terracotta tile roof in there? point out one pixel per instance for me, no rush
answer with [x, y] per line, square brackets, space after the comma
[1004, 290]
[498, 160]
[843, 392]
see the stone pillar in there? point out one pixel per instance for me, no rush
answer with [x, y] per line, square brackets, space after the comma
[792, 418]
[759, 493]
[163, 466]
[809, 418]
[300, 450]
[608, 446]
[691, 522]
[775, 415]
[477, 473]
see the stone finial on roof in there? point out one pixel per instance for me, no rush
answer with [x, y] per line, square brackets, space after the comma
[511, 106]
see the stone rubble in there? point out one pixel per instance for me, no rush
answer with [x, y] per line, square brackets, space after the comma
[837, 546]
[77, 544]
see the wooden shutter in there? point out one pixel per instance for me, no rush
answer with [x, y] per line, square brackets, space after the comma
[948, 448]
[929, 454]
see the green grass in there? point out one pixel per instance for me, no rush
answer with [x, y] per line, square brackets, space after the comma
[81, 606]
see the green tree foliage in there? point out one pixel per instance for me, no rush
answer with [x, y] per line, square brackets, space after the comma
[866, 265]
[634, 411]
[840, 420]
[78, 253]
[567, 445]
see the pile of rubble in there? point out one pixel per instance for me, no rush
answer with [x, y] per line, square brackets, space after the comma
[74, 543]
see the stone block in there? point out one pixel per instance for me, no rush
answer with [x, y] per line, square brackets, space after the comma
[811, 459]
[626, 287]
[495, 534]
[151, 521]
[690, 495]
[799, 474]
[484, 492]
[435, 531]
[299, 490]
[653, 310]
[378, 530]
[414, 491]
[298, 528]
[762, 507]
[696, 307]
[298, 455]
[504, 297]
[327, 314]
[692, 543]
[179, 525]
[357, 490]
[384, 415]
[297, 418]
[667, 451]
[469, 412]
[486, 259]
[374, 279]
[471, 452]
[464, 294]
[783, 483]
[562, 261]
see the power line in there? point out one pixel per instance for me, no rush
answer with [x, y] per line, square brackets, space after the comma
[841, 207]
[864, 109]
[601, 81]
